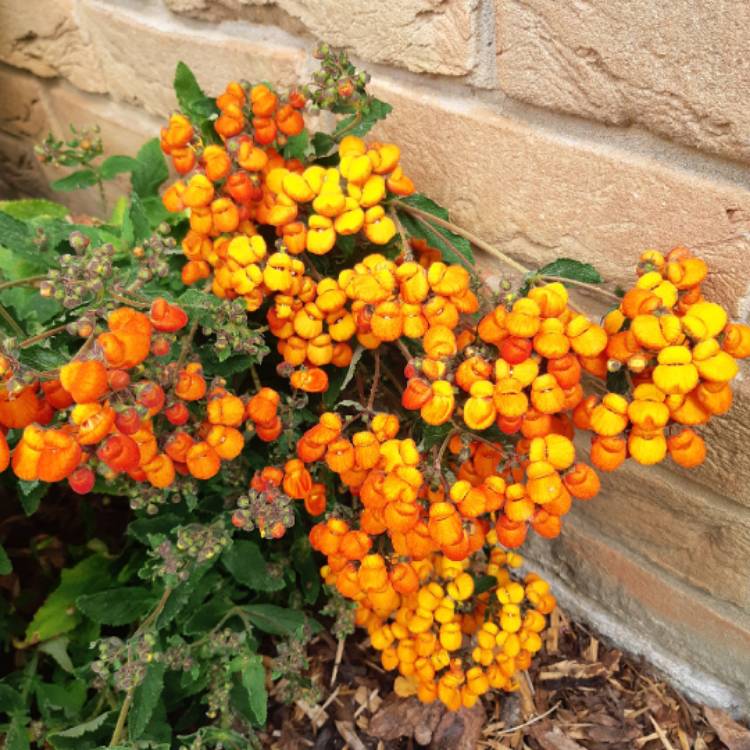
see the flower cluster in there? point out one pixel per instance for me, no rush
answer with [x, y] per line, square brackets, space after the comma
[116, 410]
[680, 351]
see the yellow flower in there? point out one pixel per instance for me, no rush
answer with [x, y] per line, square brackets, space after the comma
[610, 417]
[675, 372]
[713, 363]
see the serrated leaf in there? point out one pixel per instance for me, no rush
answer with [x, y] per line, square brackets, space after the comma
[30, 494]
[136, 226]
[119, 606]
[145, 698]
[151, 171]
[568, 268]
[277, 620]
[16, 235]
[433, 435]
[6, 566]
[17, 737]
[31, 208]
[83, 736]
[454, 248]
[246, 563]
[197, 303]
[373, 111]
[323, 143]
[83, 178]
[484, 583]
[68, 698]
[299, 146]
[142, 528]
[254, 682]
[208, 615]
[117, 164]
[11, 701]
[57, 615]
[193, 101]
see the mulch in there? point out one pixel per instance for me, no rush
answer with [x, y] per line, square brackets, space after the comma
[582, 693]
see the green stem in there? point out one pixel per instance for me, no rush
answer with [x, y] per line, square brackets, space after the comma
[21, 282]
[256, 378]
[11, 321]
[122, 718]
[41, 336]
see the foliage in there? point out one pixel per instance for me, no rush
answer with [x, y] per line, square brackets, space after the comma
[211, 378]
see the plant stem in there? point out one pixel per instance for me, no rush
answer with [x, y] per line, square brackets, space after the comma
[21, 282]
[461, 232]
[122, 718]
[405, 246]
[126, 301]
[43, 335]
[256, 378]
[11, 321]
[375, 383]
[583, 285]
[186, 343]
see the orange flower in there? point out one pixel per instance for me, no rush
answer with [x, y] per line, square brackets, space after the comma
[84, 381]
[445, 524]
[4, 453]
[160, 471]
[439, 408]
[191, 386]
[226, 441]
[202, 460]
[340, 455]
[607, 453]
[94, 422]
[178, 445]
[297, 480]
[227, 410]
[687, 448]
[315, 500]
[311, 380]
[418, 392]
[582, 481]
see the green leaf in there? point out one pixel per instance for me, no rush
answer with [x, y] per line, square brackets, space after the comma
[135, 226]
[83, 736]
[145, 698]
[83, 178]
[197, 303]
[163, 523]
[58, 615]
[15, 235]
[568, 268]
[194, 103]
[484, 583]
[57, 648]
[276, 620]
[17, 737]
[68, 698]
[372, 111]
[341, 379]
[455, 249]
[433, 435]
[31, 208]
[117, 164]
[307, 568]
[254, 682]
[119, 606]
[299, 147]
[245, 562]
[11, 701]
[30, 494]
[6, 566]
[323, 143]
[207, 615]
[151, 171]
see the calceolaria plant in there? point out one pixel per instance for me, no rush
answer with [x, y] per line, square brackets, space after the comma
[284, 373]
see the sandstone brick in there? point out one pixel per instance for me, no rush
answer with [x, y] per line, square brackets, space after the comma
[21, 109]
[42, 36]
[691, 532]
[538, 196]
[678, 68]
[138, 56]
[703, 648]
[431, 36]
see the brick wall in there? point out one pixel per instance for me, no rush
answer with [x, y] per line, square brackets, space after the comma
[587, 128]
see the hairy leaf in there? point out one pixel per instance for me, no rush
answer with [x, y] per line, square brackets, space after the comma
[145, 698]
[117, 164]
[151, 170]
[82, 178]
[119, 606]
[31, 208]
[246, 563]
[568, 268]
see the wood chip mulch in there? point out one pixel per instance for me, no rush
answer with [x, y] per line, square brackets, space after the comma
[582, 694]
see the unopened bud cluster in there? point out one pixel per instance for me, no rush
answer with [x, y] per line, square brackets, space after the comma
[337, 82]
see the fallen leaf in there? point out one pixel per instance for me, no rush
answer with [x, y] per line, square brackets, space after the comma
[553, 738]
[731, 733]
[573, 669]
[459, 730]
[405, 717]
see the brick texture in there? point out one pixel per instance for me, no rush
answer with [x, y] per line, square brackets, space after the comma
[678, 68]
[427, 36]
